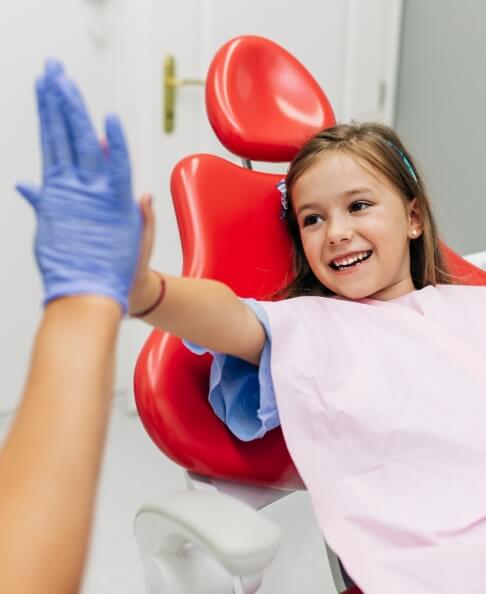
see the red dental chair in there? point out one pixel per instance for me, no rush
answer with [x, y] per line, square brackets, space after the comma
[262, 105]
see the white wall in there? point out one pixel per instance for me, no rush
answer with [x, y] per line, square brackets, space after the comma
[441, 98]
[29, 32]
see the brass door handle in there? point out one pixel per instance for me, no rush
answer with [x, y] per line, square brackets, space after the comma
[171, 83]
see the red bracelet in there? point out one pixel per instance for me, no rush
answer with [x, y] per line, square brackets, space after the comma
[150, 309]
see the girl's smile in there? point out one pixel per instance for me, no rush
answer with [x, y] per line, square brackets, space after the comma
[355, 228]
[351, 261]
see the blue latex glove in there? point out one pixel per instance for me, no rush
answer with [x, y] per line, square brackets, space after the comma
[89, 227]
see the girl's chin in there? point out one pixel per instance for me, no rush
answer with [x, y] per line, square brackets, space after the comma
[354, 293]
[356, 296]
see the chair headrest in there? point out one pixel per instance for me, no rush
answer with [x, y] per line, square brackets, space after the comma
[261, 102]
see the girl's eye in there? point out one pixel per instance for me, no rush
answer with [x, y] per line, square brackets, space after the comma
[358, 205]
[311, 219]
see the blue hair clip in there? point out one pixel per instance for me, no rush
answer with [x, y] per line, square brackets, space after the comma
[284, 201]
[405, 160]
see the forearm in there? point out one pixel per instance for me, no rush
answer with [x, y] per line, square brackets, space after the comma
[50, 462]
[205, 312]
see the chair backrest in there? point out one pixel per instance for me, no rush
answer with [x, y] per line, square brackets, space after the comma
[261, 102]
[231, 231]
[462, 271]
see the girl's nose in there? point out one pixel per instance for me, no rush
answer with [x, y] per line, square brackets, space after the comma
[338, 231]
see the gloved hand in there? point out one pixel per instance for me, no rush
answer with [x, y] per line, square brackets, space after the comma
[88, 225]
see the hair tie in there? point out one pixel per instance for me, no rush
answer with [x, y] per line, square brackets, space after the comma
[284, 201]
[404, 159]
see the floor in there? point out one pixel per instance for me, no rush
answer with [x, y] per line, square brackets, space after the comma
[135, 471]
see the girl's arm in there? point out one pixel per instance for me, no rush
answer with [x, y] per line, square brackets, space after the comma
[203, 311]
[50, 461]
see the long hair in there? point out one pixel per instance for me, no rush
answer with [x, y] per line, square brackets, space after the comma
[380, 147]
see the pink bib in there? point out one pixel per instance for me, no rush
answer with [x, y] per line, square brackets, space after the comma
[383, 408]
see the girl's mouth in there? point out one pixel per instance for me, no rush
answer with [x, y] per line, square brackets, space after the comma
[352, 262]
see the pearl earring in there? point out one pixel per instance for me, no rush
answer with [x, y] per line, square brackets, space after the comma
[414, 232]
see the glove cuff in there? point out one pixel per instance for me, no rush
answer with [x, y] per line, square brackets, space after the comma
[72, 291]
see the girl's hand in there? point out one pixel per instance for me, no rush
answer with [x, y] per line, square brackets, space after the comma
[146, 284]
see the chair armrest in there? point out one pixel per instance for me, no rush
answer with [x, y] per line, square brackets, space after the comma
[231, 532]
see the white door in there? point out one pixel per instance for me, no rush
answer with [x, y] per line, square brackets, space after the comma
[152, 29]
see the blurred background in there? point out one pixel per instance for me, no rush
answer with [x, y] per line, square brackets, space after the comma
[416, 65]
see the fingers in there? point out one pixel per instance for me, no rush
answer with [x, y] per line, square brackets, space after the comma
[54, 67]
[56, 132]
[86, 149]
[118, 159]
[53, 144]
[148, 233]
[146, 244]
[68, 138]
[29, 191]
[44, 128]
[69, 133]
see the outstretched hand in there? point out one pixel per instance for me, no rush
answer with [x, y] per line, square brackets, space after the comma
[88, 225]
[142, 293]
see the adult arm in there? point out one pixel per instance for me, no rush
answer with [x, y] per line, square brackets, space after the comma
[50, 462]
[87, 247]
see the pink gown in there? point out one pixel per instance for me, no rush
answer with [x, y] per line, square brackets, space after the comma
[383, 409]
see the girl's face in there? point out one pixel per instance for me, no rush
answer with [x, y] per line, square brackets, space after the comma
[355, 228]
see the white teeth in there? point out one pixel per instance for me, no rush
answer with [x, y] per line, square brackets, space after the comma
[347, 261]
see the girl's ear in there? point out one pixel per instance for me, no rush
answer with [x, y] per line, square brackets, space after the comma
[415, 224]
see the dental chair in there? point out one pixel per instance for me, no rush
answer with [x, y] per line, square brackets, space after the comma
[262, 105]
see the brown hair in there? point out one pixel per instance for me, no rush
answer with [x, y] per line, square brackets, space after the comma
[380, 147]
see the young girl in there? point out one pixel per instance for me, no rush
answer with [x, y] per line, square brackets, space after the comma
[374, 362]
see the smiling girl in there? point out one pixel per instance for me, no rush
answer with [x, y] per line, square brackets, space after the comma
[373, 364]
